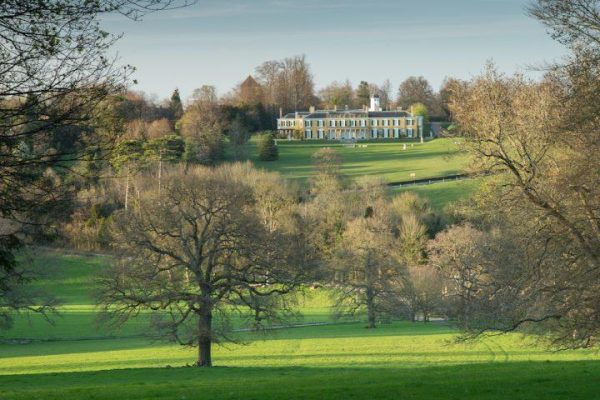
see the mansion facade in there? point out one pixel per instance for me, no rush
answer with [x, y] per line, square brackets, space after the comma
[371, 123]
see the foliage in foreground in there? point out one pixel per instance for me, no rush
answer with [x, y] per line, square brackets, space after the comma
[542, 142]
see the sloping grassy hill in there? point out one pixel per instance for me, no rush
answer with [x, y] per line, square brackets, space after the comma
[438, 157]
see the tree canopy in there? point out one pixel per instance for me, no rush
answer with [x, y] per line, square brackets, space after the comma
[198, 251]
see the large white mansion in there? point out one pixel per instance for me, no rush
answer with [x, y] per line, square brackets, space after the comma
[366, 123]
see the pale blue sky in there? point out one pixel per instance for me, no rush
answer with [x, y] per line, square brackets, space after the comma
[220, 42]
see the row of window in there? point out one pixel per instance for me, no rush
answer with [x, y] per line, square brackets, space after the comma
[361, 133]
[286, 123]
[342, 123]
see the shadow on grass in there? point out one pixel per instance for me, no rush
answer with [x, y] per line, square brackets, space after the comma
[516, 380]
[346, 330]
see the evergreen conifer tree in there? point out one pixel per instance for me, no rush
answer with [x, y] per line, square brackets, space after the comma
[175, 105]
[267, 148]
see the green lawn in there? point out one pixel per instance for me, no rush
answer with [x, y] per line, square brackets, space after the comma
[71, 278]
[438, 157]
[442, 193]
[398, 360]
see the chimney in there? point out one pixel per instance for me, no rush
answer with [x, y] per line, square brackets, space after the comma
[296, 114]
[335, 107]
[346, 107]
[311, 109]
[280, 112]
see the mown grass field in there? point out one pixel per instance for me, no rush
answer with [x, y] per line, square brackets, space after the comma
[398, 360]
[388, 160]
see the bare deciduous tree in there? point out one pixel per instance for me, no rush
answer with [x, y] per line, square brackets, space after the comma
[415, 90]
[202, 128]
[337, 94]
[288, 83]
[202, 251]
[370, 275]
[541, 139]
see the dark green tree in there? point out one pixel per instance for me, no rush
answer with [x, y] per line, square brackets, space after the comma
[267, 148]
[175, 105]
[363, 93]
[168, 148]
[126, 159]
[238, 137]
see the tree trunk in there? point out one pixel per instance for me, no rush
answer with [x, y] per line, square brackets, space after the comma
[127, 189]
[370, 308]
[159, 175]
[370, 295]
[204, 340]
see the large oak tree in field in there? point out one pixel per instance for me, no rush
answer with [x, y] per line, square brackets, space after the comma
[207, 247]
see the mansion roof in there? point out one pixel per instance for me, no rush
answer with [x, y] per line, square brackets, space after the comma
[322, 114]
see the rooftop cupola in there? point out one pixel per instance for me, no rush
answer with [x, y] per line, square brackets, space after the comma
[375, 103]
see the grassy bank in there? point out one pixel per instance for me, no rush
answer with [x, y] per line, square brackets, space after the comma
[389, 160]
